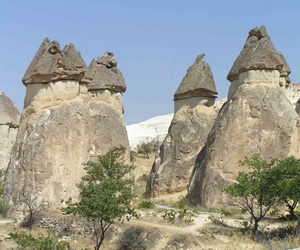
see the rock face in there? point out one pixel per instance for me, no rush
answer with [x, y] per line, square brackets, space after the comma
[62, 127]
[187, 133]
[9, 123]
[257, 118]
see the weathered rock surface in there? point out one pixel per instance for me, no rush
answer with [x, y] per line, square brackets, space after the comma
[258, 53]
[62, 127]
[187, 133]
[257, 118]
[258, 56]
[109, 130]
[51, 64]
[9, 123]
[198, 81]
[176, 157]
[51, 145]
[197, 87]
[105, 74]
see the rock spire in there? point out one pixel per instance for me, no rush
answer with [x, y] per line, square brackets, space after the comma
[257, 118]
[193, 119]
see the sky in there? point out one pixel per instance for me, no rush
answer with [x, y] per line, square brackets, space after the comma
[153, 41]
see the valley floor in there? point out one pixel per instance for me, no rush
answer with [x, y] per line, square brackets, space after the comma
[154, 230]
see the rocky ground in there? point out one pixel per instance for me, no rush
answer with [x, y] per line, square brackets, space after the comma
[208, 230]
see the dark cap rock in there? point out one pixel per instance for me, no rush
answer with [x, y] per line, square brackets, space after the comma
[50, 63]
[259, 53]
[9, 114]
[198, 81]
[105, 74]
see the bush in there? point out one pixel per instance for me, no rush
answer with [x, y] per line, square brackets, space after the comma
[226, 213]
[132, 239]
[4, 207]
[49, 242]
[146, 205]
[183, 214]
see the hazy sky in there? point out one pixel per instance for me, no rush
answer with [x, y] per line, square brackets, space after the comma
[154, 41]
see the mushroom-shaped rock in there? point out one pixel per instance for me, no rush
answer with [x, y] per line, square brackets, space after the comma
[198, 81]
[259, 53]
[50, 63]
[9, 114]
[105, 74]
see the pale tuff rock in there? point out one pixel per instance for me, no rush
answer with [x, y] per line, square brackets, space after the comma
[9, 123]
[9, 114]
[259, 56]
[258, 118]
[51, 64]
[62, 127]
[187, 133]
[176, 157]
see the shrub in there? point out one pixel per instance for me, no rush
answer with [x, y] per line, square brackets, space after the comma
[183, 214]
[132, 239]
[146, 205]
[4, 207]
[216, 220]
[226, 213]
[29, 242]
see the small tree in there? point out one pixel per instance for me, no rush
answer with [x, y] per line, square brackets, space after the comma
[145, 148]
[30, 199]
[106, 192]
[288, 183]
[155, 143]
[1, 182]
[257, 189]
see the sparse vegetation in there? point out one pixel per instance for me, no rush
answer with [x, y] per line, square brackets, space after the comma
[3, 206]
[146, 205]
[145, 148]
[171, 214]
[29, 242]
[132, 239]
[30, 199]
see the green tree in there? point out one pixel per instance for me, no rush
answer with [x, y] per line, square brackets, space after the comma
[287, 172]
[106, 192]
[256, 189]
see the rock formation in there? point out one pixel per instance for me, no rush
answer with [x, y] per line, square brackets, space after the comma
[193, 119]
[257, 118]
[58, 130]
[9, 123]
[106, 106]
